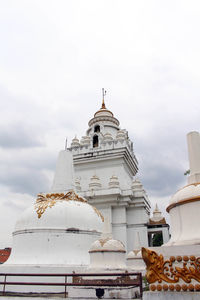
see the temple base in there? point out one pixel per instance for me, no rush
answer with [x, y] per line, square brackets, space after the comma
[171, 296]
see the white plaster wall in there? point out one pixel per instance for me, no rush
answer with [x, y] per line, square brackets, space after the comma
[119, 215]
[119, 233]
[185, 224]
[106, 212]
[119, 224]
[137, 215]
[104, 169]
[131, 233]
[51, 247]
[107, 260]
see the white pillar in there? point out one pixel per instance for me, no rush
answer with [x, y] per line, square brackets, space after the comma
[193, 139]
[64, 175]
[165, 234]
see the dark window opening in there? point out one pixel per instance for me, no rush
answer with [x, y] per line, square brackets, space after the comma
[97, 128]
[95, 141]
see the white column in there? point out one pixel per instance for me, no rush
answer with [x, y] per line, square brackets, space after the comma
[193, 139]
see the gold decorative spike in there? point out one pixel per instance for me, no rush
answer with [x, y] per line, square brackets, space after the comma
[103, 106]
[159, 270]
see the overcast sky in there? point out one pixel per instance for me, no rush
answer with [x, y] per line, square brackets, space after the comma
[55, 56]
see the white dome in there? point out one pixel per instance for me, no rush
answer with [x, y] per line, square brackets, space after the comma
[184, 207]
[58, 229]
[134, 255]
[103, 112]
[63, 215]
[188, 192]
[104, 115]
[107, 254]
[107, 245]
[184, 210]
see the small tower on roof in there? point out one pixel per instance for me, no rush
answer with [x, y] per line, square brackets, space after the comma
[158, 229]
[108, 152]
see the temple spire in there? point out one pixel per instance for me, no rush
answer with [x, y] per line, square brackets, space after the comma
[103, 95]
[193, 139]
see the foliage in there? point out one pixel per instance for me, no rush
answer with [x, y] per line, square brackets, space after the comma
[157, 239]
[187, 172]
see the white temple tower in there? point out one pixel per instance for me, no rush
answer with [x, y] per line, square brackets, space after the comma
[105, 164]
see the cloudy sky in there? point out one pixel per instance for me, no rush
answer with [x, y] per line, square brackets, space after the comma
[55, 56]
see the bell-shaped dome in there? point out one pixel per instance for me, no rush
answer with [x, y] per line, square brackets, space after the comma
[53, 230]
[106, 252]
[103, 114]
[60, 227]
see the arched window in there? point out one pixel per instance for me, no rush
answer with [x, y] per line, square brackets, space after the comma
[95, 141]
[97, 128]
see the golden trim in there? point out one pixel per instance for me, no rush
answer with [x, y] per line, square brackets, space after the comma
[184, 201]
[175, 287]
[170, 271]
[105, 110]
[44, 201]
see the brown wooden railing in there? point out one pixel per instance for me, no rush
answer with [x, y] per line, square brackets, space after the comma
[77, 279]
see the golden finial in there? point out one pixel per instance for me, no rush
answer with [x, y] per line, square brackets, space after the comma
[103, 103]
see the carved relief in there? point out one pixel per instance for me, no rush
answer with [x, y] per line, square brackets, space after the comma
[170, 271]
[44, 201]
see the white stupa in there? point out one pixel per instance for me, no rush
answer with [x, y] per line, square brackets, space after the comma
[134, 257]
[107, 253]
[184, 207]
[60, 227]
[173, 270]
